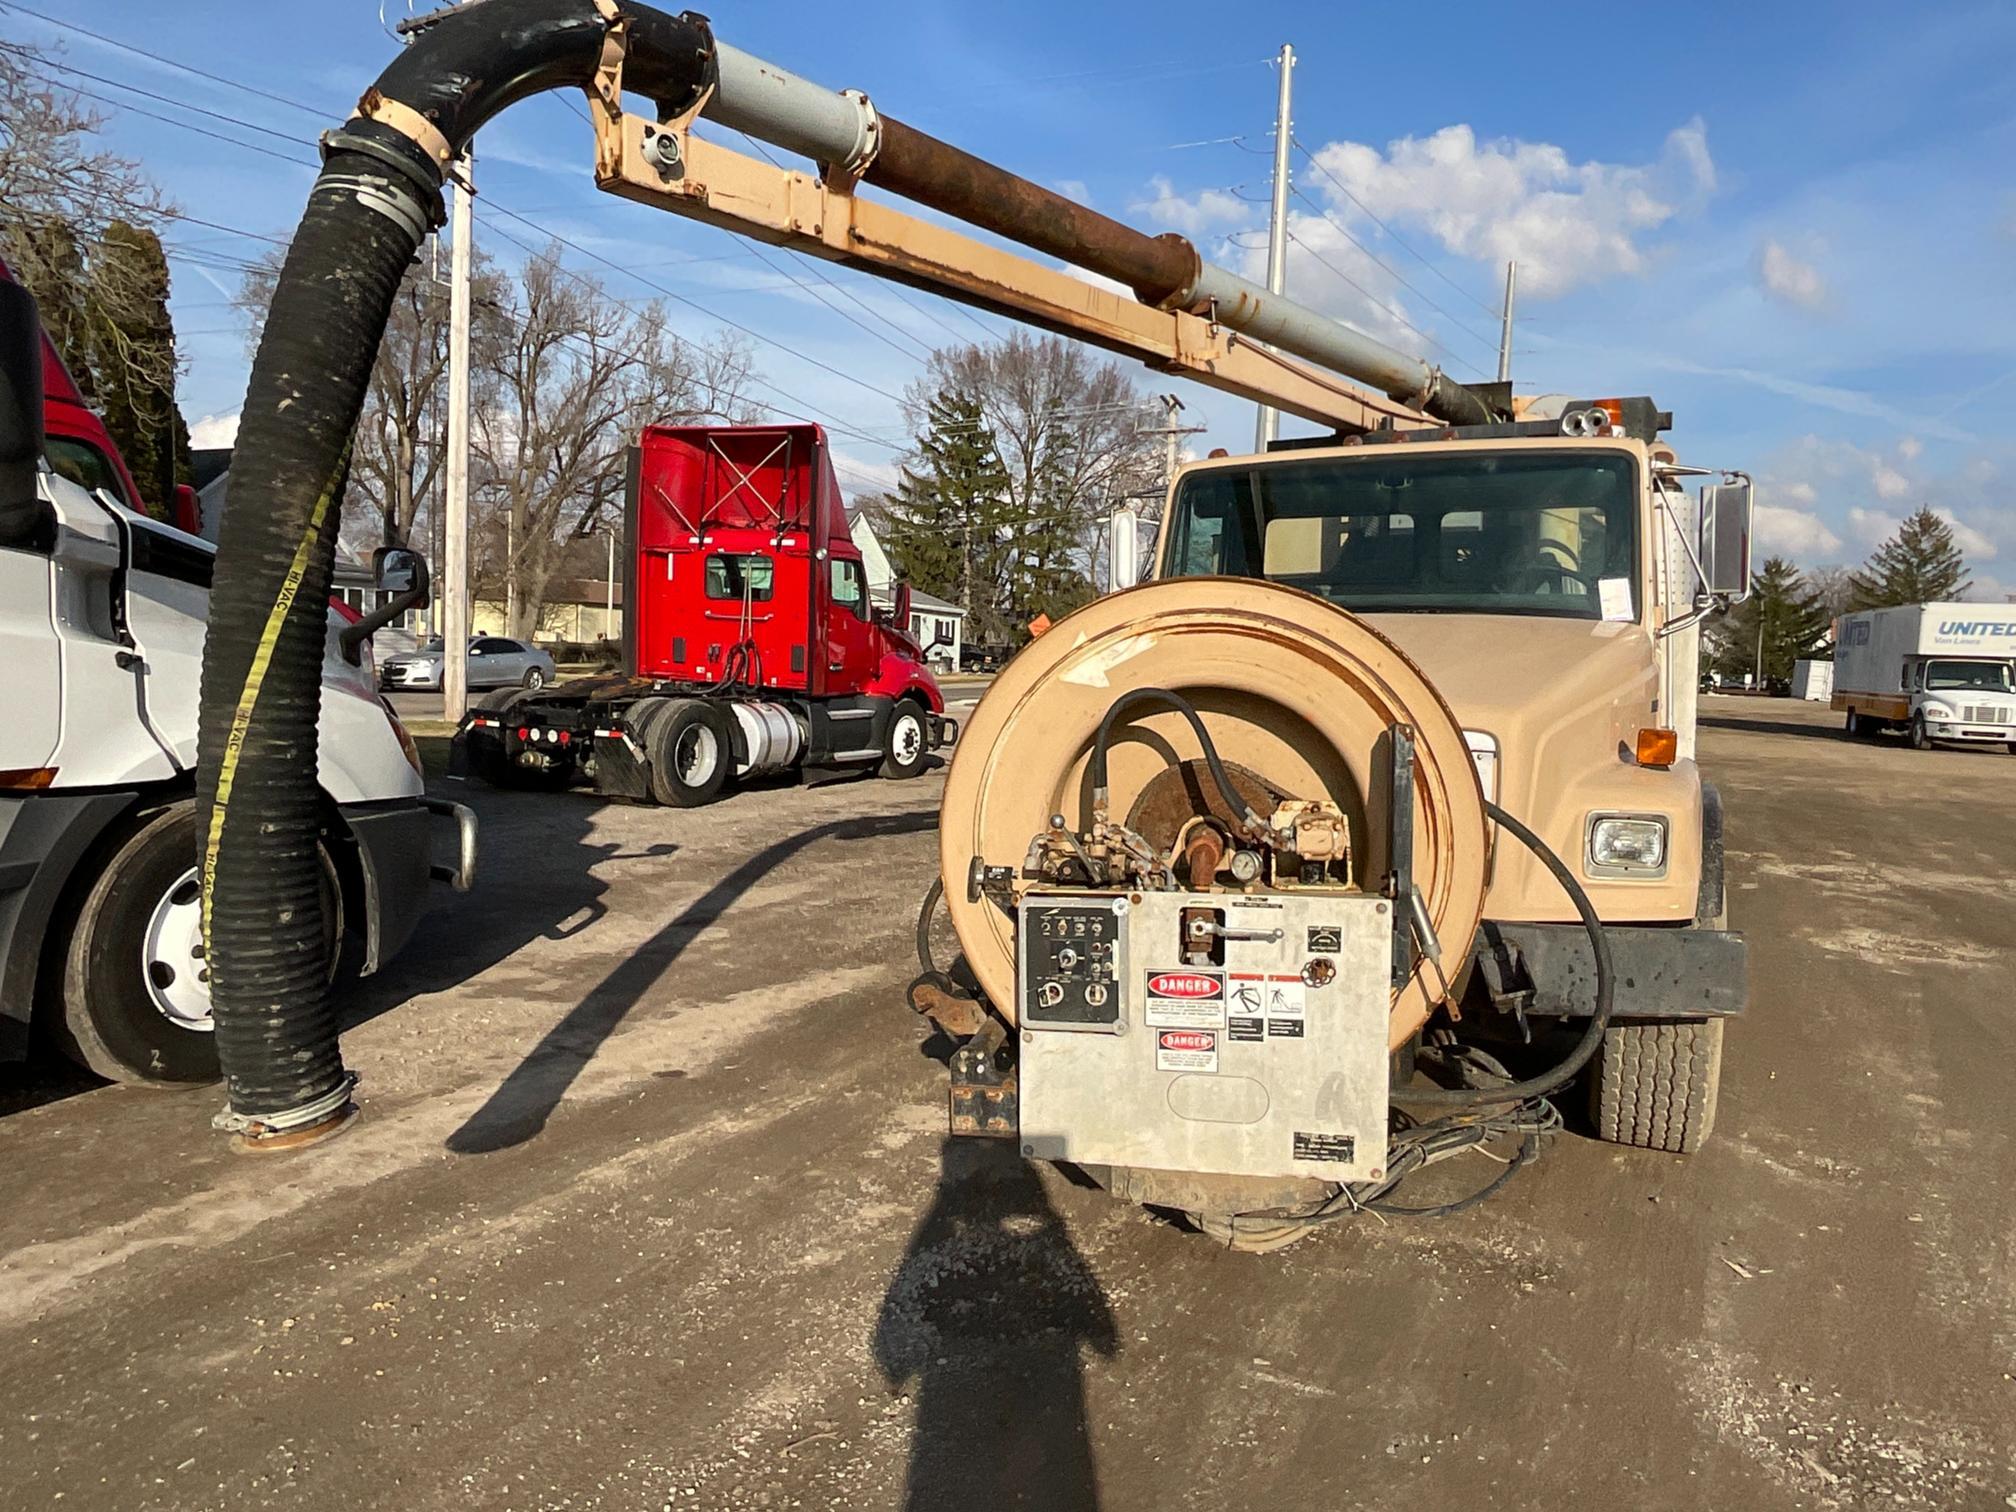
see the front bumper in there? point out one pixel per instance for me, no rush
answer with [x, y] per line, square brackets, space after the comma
[1974, 734]
[1549, 971]
[416, 680]
[395, 857]
[944, 731]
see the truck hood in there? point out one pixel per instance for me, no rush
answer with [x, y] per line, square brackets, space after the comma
[1533, 682]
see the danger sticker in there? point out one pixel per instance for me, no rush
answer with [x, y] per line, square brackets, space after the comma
[1284, 1028]
[1285, 997]
[1186, 1050]
[1185, 1000]
[1245, 1029]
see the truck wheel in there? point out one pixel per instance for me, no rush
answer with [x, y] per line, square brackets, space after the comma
[691, 753]
[1854, 725]
[909, 741]
[1656, 1085]
[1920, 740]
[135, 996]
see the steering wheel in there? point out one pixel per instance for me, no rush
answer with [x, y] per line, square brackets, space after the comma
[1543, 573]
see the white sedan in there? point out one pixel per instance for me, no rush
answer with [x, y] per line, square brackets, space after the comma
[494, 661]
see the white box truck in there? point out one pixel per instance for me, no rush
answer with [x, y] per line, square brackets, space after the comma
[1939, 672]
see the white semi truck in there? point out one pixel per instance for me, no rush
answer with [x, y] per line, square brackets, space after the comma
[102, 617]
[1942, 673]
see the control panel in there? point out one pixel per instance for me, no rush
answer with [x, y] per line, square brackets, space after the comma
[1073, 961]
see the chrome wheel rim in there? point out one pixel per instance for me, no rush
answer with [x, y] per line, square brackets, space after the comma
[695, 755]
[171, 957]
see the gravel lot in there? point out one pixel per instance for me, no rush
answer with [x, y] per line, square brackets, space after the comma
[650, 1207]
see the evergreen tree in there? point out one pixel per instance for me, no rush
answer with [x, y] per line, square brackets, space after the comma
[1783, 620]
[1918, 565]
[133, 360]
[948, 515]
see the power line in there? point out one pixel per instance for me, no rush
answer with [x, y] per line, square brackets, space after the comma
[1345, 189]
[188, 68]
[1398, 276]
[1379, 304]
[41, 62]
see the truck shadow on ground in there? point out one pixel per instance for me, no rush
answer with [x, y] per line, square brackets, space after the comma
[1775, 727]
[517, 1111]
[986, 1322]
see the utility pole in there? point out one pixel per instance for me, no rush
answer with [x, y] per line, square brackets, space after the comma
[1505, 331]
[455, 527]
[1269, 425]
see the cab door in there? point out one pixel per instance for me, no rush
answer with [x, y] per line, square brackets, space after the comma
[850, 648]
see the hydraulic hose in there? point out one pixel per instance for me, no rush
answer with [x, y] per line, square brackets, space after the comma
[1599, 1020]
[259, 807]
[1133, 699]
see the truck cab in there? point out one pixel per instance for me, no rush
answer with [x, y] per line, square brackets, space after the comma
[1541, 573]
[751, 644]
[103, 612]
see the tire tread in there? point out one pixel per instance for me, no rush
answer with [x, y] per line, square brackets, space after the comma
[1657, 1085]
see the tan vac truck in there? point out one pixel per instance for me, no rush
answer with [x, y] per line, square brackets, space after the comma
[1274, 879]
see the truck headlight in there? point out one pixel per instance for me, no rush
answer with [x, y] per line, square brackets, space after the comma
[1937, 711]
[1627, 845]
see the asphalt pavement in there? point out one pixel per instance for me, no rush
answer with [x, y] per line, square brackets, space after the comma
[651, 1207]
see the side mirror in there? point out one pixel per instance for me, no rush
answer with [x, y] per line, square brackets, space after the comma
[396, 570]
[20, 412]
[899, 611]
[1725, 539]
[399, 572]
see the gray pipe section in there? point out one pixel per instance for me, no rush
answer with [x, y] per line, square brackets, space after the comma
[778, 107]
[1280, 322]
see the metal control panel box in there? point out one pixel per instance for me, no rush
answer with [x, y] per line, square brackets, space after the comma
[1269, 1061]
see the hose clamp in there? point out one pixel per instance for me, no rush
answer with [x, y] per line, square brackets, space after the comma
[318, 1110]
[409, 123]
[426, 198]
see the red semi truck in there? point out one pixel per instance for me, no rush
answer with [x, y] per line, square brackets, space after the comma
[750, 645]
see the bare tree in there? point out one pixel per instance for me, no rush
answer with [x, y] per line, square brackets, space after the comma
[577, 375]
[60, 191]
[399, 453]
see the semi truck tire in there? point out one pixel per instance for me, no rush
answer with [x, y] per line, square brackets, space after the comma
[127, 1005]
[909, 749]
[1656, 1085]
[692, 752]
[1920, 739]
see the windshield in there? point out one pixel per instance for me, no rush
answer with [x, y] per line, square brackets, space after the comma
[432, 643]
[1972, 676]
[1490, 533]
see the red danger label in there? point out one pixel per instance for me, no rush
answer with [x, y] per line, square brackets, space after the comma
[1187, 1039]
[1179, 984]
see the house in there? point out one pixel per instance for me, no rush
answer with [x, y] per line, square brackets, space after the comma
[581, 610]
[930, 617]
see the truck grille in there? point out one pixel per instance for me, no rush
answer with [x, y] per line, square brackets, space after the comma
[1984, 714]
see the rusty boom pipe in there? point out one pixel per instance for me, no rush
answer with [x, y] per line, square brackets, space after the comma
[848, 134]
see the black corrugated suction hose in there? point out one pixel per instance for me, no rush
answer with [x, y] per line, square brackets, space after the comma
[375, 199]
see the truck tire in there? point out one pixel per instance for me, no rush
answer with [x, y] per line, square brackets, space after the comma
[1656, 1085]
[1921, 740]
[131, 1003]
[692, 753]
[909, 746]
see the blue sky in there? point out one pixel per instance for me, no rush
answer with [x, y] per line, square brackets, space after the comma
[1795, 226]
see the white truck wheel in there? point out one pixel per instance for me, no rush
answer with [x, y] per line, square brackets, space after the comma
[135, 996]
[1656, 1085]
[909, 741]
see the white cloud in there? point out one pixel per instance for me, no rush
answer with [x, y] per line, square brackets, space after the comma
[1871, 526]
[1910, 448]
[1971, 541]
[1789, 280]
[1798, 533]
[1192, 215]
[214, 431]
[1074, 189]
[1888, 482]
[1565, 223]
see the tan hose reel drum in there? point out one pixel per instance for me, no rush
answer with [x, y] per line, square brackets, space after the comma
[1299, 697]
